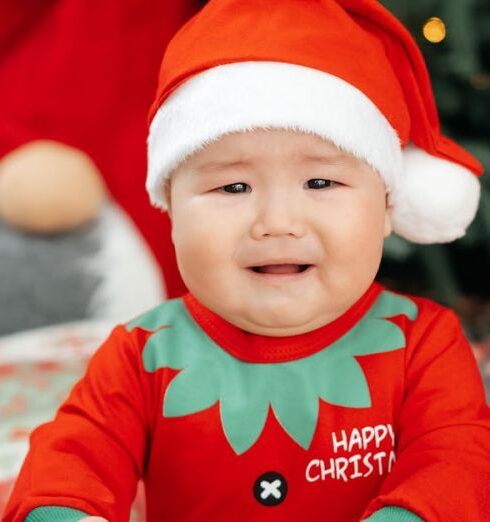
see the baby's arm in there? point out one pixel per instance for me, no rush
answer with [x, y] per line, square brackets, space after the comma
[442, 470]
[87, 461]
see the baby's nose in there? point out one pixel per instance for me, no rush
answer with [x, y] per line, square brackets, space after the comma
[277, 217]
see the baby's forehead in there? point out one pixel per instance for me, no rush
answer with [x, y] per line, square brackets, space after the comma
[264, 144]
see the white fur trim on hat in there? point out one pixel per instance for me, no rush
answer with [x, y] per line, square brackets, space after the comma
[435, 199]
[432, 200]
[246, 95]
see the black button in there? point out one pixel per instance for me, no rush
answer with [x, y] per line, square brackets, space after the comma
[270, 488]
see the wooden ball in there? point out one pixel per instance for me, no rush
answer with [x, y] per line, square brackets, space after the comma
[47, 187]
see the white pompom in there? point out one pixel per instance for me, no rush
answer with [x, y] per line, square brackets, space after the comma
[434, 200]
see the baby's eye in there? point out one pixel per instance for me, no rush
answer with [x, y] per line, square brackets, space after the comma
[234, 188]
[320, 183]
[237, 188]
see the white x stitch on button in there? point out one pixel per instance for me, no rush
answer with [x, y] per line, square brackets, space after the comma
[270, 488]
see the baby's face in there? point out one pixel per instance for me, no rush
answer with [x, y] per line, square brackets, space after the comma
[267, 196]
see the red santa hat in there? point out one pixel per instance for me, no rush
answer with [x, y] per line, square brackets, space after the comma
[345, 70]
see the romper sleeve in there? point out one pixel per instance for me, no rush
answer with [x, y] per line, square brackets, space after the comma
[88, 459]
[442, 471]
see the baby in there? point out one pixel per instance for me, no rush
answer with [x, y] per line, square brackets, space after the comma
[287, 140]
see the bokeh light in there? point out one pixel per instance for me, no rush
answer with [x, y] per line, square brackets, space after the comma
[434, 30]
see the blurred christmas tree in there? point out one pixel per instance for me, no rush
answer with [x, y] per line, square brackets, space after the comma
[454, 37]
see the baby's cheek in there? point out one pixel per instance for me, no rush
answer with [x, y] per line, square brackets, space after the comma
[199, 256]
[364, 224]
[355, 243]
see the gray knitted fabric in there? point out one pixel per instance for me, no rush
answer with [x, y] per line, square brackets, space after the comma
[42, 279]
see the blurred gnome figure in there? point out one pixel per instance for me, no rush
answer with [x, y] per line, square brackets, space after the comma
[67, 251]
[79, 77]
[48, 187]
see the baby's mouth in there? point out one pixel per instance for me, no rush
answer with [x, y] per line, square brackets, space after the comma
[280, 269]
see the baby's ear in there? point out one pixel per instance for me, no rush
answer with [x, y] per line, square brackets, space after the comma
[166, 195]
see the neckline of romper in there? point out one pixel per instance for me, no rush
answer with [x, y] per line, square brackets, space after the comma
[257, 348]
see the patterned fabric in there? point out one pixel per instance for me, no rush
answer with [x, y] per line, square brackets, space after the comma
[37, 370]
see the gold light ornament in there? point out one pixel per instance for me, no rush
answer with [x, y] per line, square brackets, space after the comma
[434, 30]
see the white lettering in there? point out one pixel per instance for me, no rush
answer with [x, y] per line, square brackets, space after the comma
[350, 467]
[380, 432]
[391, 460]
[378, 457]
[314, 462]
[342, 443]
[355, 460]
[392, 434]
[360, 439]
[367, 435]
[366, 462]
[329, 471]
[355, 439]
[340, 470]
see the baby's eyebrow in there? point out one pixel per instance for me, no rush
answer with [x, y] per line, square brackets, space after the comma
[325, 159]
[214, 166]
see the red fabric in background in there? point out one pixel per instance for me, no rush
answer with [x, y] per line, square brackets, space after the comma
[85, 73]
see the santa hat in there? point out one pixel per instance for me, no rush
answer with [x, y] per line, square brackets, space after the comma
[345, 70]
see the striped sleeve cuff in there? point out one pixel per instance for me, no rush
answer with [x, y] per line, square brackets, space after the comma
[393, 514]
[55, 514]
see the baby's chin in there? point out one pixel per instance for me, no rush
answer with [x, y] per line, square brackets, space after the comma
[279, 321]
